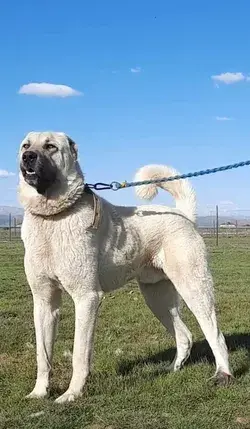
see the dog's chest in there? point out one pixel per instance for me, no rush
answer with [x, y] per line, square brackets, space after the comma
[38, 249]
[54, 247]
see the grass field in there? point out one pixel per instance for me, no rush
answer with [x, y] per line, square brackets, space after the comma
[129, 387]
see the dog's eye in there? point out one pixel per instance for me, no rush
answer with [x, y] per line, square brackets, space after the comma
[50, 146]
[26, 146]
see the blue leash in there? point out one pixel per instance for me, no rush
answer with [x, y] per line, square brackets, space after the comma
[117, 185]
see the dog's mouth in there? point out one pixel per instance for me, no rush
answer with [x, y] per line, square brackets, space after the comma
[41, 176]
[30, 172]
[30, 176]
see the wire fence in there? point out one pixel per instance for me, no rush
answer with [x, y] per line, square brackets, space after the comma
[215, 224]
[11, 228]
[224, 222]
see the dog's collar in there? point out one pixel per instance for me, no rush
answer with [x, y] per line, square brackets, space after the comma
[87, 189]
[97, 208]
[97, 212]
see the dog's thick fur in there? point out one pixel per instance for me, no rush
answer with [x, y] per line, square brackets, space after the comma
[156, 245]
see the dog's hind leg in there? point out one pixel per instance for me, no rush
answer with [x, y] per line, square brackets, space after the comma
[186, 265]
[163, 301]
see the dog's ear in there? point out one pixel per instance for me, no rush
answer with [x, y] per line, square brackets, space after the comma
[73, 148]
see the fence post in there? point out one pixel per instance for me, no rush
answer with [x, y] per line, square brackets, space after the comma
[10, 226]
[217, 226]
[15, 226]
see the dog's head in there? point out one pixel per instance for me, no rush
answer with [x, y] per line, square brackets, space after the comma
[47, 158]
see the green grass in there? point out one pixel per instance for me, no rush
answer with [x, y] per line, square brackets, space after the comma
[7, 235]
[129, 387]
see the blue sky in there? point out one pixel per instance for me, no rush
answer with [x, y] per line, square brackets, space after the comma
[155, 77]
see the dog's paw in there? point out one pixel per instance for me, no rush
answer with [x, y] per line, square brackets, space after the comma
[222, 379]
[172, 367]
[38, 393]
[177, 364]
[68, 397]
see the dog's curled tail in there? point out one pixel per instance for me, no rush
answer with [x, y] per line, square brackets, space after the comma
[181, 190]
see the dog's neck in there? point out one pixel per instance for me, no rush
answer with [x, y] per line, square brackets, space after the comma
[55, 200]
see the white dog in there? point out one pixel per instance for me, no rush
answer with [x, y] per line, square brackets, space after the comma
[78, 242]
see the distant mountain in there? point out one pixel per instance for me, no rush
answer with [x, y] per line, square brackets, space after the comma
[6, 211]
[202, 221]
[15, 211]
[208, 221]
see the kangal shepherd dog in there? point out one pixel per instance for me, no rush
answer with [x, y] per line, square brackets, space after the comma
[78, 242]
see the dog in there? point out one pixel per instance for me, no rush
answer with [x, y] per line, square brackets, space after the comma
[78, 242]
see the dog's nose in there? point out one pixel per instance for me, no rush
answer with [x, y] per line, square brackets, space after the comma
[29, 156]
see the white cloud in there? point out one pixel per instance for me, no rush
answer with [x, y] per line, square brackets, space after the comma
[135, 70]
[5, 173]
[229, 78]
[223, 118]
[48, 90]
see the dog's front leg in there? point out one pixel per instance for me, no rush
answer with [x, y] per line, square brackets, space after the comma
[46, 311]
[86, 308]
